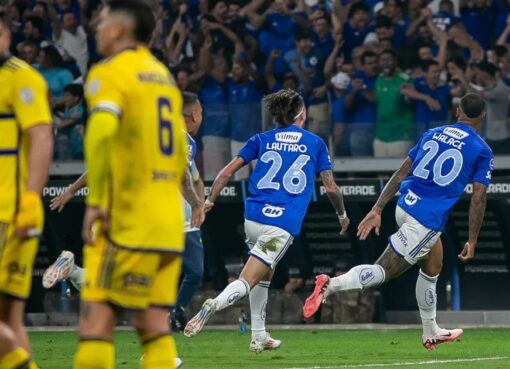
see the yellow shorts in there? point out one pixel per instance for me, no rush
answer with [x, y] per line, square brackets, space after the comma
[131, 279]
[16, 262]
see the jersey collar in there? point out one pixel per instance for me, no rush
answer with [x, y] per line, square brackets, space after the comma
[5, 60]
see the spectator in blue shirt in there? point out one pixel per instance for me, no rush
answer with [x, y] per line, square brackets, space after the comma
[244, 96]
[356, 28]
[385, 31]
[477, 16]
[340, 83]
[307, 62]
[321, 35]
[432, 98]
[360, 104]
[51, 66]
[69, 128]
[445, 17]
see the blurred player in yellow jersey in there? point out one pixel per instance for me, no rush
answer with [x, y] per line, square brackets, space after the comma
[136, 155]
[25, 153]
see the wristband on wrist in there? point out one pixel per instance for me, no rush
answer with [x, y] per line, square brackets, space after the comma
[208, 202]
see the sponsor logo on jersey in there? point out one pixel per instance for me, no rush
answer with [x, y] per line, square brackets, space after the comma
[455, 133]
[430, 296]
[16, 268]
[402, 237]
[288, 137]
[411, 198]
[366, 276]
[272, 211]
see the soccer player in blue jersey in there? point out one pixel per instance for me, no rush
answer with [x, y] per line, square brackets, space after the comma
[431, 180]
[281, 186]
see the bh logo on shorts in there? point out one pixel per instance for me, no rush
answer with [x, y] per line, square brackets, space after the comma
[272, 211]
[366, 276]
[411, 198]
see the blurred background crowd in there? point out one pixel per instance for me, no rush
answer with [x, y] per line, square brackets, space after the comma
[375, 74]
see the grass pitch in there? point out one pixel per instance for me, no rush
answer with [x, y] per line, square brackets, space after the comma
[301, 349]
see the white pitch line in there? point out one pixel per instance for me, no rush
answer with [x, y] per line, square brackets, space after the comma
[406, 363]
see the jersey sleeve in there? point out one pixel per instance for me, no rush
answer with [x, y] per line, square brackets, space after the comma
[250, 151]
[103, 92]
[323, 158]
[414, 150]
[31, 99]
[484, 167]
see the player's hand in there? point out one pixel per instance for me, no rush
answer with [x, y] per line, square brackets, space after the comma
[93, 213]
[58, 203]
[468, 252]
[276, 53]
[29, 217]
[371, 221]
[344, 223]
[208, 206]
[197, 216]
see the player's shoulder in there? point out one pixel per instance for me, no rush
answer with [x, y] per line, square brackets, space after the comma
[22, 70]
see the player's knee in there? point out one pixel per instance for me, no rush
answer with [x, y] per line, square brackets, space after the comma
[7, 340]
[150, 322]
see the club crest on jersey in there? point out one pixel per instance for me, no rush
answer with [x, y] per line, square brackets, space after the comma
[288, 137]
[272, 211]
[455, 133]
[366, 276]
[411, 198]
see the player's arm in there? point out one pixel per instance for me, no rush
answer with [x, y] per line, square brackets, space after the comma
[197, 205]
[336, 198]
[373, 218]
[58, 203]
[102, 127]
[476, 215]
[222, 179]
[198, 184]
[34, 119]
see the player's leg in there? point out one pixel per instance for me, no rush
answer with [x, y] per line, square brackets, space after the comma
[151, 324]
[192, 270]
[63, 268]
[12, 355]
[97, 316]
[430, 267]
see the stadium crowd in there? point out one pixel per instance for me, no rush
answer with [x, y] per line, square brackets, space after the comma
[375, 74]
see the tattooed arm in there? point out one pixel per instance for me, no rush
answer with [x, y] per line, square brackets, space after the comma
[373, 218]
[336, 198]
[197, 205]
[476, 214]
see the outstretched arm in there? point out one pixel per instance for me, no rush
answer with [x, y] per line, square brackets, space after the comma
[476, 214]
[373, 218]
[335, 197]
[222, 179]
[58, 203]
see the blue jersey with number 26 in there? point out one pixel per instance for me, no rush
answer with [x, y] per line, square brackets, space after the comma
[282, 184]
[445, 160]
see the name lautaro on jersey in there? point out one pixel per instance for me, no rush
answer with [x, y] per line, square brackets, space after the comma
[287, 141]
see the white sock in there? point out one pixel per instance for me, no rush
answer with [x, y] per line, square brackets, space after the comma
[358, 278]
[258, 303]
[427, 301]
[233, 292]
[77, 277]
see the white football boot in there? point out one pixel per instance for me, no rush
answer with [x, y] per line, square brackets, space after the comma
[59, 270]
[268, 343]
[442, 336]
[196, 323]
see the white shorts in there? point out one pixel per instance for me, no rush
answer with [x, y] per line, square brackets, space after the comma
[413, 240]
[267, 243]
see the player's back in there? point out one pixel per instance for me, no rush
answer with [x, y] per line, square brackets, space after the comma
[282, 182]
[23, 104]
[149, 149]
[445, 160]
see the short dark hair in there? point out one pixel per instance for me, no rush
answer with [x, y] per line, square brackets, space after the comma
[189, 99]
[37, 23]
[53, 56]
[302, 34]
[487, 67]
[426, 64]
[390, 52]
[74, 89]
[383, 21]
[284, 106]
[500, 50]
[472, 105]
[359, 6]
[141, 12]
[367, 54]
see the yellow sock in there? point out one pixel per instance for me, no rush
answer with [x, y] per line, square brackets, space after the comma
[159, 352]
[17, 358]
[32, 365]
[94, 354]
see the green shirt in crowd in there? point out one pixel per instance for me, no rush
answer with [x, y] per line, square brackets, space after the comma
[395, 116]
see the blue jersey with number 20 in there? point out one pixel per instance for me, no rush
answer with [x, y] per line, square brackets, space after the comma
[445, 160]
[282, 184]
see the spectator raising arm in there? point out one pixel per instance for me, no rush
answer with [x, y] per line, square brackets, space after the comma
[330, 61]
[504, 36]
[268, 70]
[409, 92]
[442, 40]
